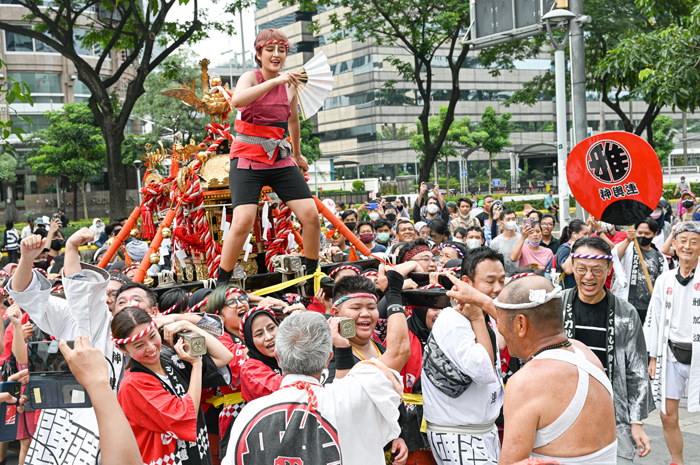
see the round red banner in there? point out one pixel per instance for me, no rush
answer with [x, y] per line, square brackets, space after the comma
[615, 176]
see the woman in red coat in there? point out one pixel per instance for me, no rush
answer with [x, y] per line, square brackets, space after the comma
[260, 374]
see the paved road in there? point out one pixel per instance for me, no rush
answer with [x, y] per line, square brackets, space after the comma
[690, 425]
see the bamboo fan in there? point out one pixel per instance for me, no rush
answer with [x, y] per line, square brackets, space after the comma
[315, 83]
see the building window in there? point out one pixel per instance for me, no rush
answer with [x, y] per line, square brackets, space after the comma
[81, 93]
[278, 23]
[20, 43]
[46, 88]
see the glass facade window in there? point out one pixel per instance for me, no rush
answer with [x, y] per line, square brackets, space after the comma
[40, 83]
[277, 23]
[81, 93]
[20, 43]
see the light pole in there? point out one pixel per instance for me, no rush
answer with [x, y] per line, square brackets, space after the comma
[560, 18]
[137, 165]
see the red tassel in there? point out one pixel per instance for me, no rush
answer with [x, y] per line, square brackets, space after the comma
[193, 241]
[148, 229]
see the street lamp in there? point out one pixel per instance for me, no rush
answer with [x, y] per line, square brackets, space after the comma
[560, 18]
[137, 165]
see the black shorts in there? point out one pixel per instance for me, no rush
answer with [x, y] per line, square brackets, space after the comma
[246, 184]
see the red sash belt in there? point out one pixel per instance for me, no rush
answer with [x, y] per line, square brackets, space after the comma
[255, 152]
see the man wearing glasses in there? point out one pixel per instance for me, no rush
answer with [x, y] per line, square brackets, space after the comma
[611, 328]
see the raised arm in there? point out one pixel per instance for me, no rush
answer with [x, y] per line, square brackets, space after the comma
[71, 262]
[30, 248]
[248, 90]
[19, 347]
[398, 346]
[90, 369]
[517, 250]
[622, 246]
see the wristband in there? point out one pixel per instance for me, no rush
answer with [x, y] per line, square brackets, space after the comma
[344, 360]
[636, 422]
[393, 309]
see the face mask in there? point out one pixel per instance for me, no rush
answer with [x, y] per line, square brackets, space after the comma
[533, 243]
[351, 225]
[399, 207]
[432, 209]
[688, 203]
[383, 237]
[656, 215]
[510, 225]
[644, 241]
[374, 216]
[366, 238]
[473, 243]
[464, 217]
[43, 264]
[391, 216]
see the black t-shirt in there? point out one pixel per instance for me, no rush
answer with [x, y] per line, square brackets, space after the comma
[639, 295]
[591, 325]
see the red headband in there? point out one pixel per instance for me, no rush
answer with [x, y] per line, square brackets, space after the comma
[370, 273]
[344, 267]
[415, 251]
[135, 336]
[433, 286]
[522, 275]
[274, 41]
[268, 310]
[198, 306]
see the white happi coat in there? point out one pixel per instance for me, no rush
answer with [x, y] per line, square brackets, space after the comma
[357, 415]
[656, 331]
[72, 434]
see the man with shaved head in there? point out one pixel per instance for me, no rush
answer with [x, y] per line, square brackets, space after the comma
[571, 417]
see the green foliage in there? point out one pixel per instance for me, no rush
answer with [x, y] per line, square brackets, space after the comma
[459, 135]
[71, 146]
[15, 91]
[8, 165]
[663, 138]
[358, 185]
[393, 132]
[498, 129]
[310, 145]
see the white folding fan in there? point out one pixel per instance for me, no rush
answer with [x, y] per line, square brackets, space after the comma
[315, 83]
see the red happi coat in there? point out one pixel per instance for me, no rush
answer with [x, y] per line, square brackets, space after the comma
[258, 380]
[232, 406]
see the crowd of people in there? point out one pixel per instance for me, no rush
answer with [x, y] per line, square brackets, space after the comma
[606, 316]
[577, 327]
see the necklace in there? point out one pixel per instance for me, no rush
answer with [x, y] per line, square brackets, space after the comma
[567, 343]
[362, 356]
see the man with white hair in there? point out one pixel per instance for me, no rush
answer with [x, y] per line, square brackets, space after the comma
[348, 421]
[672, 331]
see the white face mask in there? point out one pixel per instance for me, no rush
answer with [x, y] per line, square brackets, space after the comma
[510, 225]
[473, 243]
[432, 209]
[464, 217]
[374, 216]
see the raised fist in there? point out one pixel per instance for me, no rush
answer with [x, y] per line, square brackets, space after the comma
[32, 246]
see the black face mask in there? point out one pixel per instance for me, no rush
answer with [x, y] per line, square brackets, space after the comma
[351, 225]
[43, 264]
[399, 207]
[644, 241]
[688, 203]
[391, 217]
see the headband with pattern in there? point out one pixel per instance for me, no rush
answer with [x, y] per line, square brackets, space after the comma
[593, 257]
[537, 297]
[198, 305]
[686, 230]
[432, 286]
[267, 310]
[344, 267]
[415, 251]
[369, 273]
[136, 336]
[523, 275]
[454, 247]
[271, 42]
[356, 295]
[233, 290]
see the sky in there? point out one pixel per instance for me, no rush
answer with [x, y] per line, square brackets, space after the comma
[213, 47]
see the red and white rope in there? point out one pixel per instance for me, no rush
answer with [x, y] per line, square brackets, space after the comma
[135, 336]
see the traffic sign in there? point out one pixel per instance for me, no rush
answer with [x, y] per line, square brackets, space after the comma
[496, 182]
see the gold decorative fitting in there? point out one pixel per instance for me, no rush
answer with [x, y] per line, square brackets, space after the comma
[134, 233]
[183, 175]
[148, 281]
[166, 233]
[154, 258]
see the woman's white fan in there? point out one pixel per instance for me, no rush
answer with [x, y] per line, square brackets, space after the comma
[315, 83]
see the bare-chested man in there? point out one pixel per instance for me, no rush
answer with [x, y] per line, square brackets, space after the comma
[559, 405]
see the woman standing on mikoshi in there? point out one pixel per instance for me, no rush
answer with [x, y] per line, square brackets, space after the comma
[262, 156]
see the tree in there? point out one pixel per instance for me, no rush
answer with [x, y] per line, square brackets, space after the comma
[169, 115]
[459, 135]
[71, 146]
[498, 129]
[663, 138]
[130, 40]
[425, 30]
[310, 145]
[617, 53]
